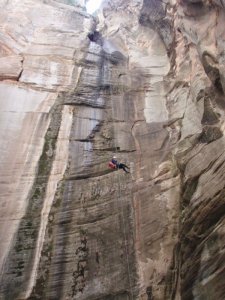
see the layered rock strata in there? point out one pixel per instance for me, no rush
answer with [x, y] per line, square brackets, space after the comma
[144, 80]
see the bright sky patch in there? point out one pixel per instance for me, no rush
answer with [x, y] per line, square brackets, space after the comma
[93, 5]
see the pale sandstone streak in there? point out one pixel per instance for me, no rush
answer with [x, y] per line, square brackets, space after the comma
[57, 173]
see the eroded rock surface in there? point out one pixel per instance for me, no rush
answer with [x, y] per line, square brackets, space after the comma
[145, 81]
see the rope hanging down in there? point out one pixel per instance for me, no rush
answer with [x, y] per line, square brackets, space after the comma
[120, 209]
[120, 205]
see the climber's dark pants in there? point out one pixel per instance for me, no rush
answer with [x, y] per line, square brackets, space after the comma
[124, 167]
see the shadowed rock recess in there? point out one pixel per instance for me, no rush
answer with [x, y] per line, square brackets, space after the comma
[143, 80]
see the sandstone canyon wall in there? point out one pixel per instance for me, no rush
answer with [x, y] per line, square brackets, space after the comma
[143, 80]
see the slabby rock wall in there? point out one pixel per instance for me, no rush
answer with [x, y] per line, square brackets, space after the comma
[144, 80]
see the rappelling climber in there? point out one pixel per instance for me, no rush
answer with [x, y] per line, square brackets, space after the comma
[114, 164]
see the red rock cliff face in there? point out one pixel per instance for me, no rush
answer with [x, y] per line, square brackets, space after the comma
[145, 81]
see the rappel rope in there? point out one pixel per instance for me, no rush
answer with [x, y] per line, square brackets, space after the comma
[125, 236]
[120, 205]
